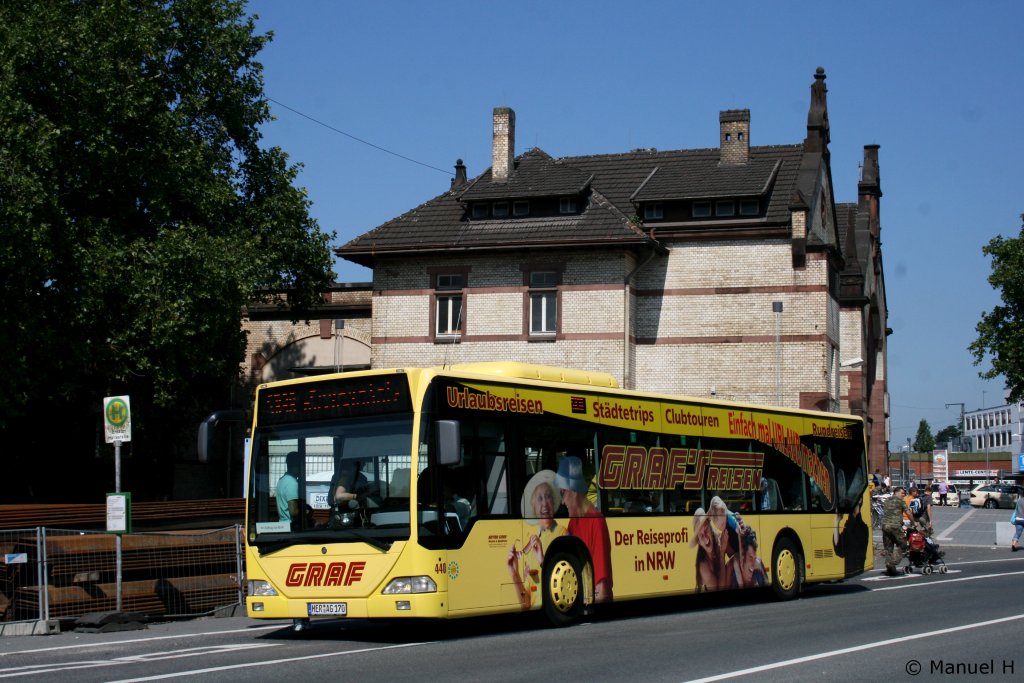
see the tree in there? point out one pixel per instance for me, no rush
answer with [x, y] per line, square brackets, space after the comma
[1001, 331]
[948, 435]
[924, 443]
[140, 215]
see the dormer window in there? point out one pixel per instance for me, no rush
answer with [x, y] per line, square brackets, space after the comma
[567, 205]
[521, 209]
[725, 208]
[701, 209]
[480, 211]
[653, 212]
[500, 210]
[749, 207]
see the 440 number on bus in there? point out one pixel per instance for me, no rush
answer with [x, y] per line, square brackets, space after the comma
[327, 609]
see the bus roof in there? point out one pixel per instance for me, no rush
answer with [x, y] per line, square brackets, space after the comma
[546, 373]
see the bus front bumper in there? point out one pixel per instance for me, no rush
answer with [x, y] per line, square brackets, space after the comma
[421, 606]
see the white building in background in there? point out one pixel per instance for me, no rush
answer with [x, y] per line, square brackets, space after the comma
[994, 429]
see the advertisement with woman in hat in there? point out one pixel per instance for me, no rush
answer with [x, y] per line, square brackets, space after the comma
[586, 523]
[540, 502]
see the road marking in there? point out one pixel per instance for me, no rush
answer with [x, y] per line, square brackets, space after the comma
[249, 665]
[108, 643]
[963, 578]
[946, 533]
[855, 648]
[33, 669]
[901, 577]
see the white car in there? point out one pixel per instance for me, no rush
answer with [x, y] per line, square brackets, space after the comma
[996, 495]
[952, 495]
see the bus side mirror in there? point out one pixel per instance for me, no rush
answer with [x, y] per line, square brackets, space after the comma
[207, 431]
[449, 441]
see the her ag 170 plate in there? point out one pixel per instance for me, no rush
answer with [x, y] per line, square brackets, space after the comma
[325, 609]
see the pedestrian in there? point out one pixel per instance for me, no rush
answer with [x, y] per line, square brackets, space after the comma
[924, 515]
[893, 538]
[943, 492]
[1018, 521]
[876, 480]
[886, 481]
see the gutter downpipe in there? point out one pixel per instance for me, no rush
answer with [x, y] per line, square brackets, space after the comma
[627, 368]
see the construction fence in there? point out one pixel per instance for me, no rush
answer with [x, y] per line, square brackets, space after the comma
[61, 574]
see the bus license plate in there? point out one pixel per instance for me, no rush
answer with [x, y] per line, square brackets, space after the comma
[323, 609]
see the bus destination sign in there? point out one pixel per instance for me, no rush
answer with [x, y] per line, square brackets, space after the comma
[353, 397]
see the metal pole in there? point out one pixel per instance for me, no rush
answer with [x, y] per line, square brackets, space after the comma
[117, 489]
[777, 307]
[44, 592]
[240, 563]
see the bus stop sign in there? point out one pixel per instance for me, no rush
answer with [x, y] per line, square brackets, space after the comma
[117, 419]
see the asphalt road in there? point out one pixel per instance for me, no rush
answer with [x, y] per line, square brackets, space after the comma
[967, 624]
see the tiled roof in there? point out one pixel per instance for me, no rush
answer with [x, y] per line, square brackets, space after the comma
[704, 179]
[613, 183]
[536, 175]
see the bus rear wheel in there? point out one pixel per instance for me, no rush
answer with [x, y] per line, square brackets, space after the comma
[563, 588]
[786, 570]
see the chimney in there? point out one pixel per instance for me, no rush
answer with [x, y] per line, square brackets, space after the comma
[817, 116]
[734, 138]
[503, 151]
[870, 188]
[460, 175]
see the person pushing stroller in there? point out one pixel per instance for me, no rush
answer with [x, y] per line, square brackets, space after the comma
[893, 537]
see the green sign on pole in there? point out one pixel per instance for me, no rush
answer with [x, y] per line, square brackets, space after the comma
[117, 419]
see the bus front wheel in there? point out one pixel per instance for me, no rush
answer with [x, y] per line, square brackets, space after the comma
[563, 588]
[786, 570]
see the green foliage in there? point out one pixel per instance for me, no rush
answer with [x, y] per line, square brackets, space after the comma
[138, 210]
[1001, 331]
[924, 443]
[948, 434]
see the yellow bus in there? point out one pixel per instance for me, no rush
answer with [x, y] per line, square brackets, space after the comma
[499, 487]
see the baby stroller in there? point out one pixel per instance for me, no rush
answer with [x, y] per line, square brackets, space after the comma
[923, 553]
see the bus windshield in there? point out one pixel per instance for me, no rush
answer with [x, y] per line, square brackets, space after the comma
[328, 481]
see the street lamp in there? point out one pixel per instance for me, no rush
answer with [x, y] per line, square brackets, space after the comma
[963, 427]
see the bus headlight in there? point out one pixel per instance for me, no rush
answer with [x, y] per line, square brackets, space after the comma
[261, 589]
[410, 584]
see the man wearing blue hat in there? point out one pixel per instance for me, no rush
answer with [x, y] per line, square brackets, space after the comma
[586, 523]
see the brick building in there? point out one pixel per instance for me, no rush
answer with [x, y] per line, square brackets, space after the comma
[728, 271]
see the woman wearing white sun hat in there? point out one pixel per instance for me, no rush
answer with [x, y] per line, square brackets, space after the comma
[539, 503]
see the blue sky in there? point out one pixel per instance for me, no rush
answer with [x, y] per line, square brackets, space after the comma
[938, 85]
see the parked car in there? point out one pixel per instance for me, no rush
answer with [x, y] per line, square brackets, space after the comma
[952, 495]
[996, 495]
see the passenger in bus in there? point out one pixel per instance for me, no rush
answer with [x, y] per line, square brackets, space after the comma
[539, 503]
[456, 502]
[587, 523]
[349, 483]
[288, 489]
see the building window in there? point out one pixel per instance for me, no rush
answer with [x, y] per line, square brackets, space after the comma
[725, 208]
[567, 205]
[480, 211]
[543, 296]
[448, 302]
[521, 209]
[701, 209]
[749, 207]
[653, 211]
[500, 210]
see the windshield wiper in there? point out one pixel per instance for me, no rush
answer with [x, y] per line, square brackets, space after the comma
[317, 536]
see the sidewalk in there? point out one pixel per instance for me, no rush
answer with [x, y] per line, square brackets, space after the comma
[965, 526]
